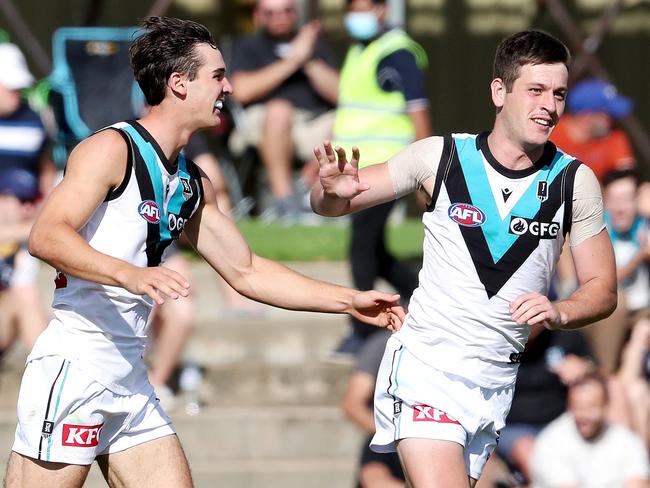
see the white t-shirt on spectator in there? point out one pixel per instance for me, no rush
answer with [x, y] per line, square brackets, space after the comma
[562, 458]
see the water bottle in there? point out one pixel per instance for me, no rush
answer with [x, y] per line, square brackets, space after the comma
[190, 384]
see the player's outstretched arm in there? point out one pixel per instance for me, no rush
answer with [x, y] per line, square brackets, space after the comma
[594, 299]
[95, 167]
[342, 188]
[219, 241]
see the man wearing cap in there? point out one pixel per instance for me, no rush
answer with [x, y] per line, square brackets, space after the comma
[27, 171]
[23, 141]
[586, 131]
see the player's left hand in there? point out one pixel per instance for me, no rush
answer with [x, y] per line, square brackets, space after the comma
[378, 308]
[535, 309]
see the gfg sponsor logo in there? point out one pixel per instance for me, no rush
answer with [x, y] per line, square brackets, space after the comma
[544, 230]
[149, 211]
[466, 215]
[176, 223]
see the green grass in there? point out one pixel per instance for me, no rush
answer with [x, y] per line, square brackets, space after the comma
[328, 242]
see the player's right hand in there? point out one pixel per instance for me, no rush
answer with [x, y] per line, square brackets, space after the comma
[338, 176]
[155, 282]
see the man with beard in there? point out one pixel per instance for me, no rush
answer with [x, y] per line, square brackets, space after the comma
[581, 449]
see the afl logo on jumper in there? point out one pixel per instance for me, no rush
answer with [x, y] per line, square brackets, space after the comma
[149, 211]
[466, 215]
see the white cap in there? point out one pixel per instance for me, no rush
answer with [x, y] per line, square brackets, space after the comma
[14, 73]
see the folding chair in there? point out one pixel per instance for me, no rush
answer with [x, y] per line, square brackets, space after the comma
[91, 85]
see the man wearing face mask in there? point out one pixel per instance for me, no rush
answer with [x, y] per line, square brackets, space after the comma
[286, 80]
[382, 108]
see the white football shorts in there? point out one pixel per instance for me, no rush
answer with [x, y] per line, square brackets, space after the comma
[65, 416]
[415, 400]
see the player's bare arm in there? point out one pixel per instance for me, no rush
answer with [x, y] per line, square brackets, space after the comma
[594, 299]
[342, 188]
[219, 241]
[95, 167]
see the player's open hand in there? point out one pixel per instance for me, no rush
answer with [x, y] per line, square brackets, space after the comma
[155, 282]
[338, 176]
[535, 309]
[378, 308]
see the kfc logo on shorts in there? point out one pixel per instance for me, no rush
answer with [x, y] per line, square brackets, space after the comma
[81, 435]
[149, 211]
[425, 413]
[466, 215]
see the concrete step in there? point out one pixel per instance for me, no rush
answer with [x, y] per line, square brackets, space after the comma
[271, 363]
[276, 359]
[256, 447]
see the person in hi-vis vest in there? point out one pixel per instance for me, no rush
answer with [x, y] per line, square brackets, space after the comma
[382, 108]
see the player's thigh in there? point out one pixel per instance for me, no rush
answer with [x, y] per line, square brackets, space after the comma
[432, 463]
[159, 463]
[23, 471]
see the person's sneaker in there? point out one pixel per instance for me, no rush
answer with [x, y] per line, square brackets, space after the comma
[347, 350]
[283, 210]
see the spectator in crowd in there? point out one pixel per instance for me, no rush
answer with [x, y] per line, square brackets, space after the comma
[23, 140]
[634, 375]
[551, 361]
[580, 449]
[24, 153]
[286, 80]
[629, 232]
[587, 131]
[382, 108]
[21, 312]
[376, 470]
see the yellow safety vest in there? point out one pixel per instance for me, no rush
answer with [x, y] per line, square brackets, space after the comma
[368, 117]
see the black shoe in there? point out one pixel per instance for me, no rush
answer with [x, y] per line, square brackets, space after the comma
[347, 350]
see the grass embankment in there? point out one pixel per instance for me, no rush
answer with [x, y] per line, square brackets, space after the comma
[328, 242]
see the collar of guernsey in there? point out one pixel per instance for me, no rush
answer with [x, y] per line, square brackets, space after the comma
[368, 117]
